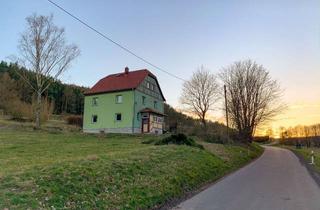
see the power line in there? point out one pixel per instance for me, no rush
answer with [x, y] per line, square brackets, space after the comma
[114, 42]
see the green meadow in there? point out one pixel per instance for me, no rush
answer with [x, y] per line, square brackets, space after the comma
[72, 170]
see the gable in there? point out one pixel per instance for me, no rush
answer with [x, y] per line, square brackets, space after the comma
[151, 87]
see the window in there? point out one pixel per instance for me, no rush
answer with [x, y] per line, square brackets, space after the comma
[155, 104]
[148, 84]
[143, 100]
[152, 87]
[118, 117]
[94, 119]
[118, 99]
[95, 101]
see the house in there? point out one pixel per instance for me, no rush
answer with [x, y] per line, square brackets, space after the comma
[126, 102]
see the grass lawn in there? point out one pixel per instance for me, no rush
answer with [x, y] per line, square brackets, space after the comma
[78, 171]
[306, 153]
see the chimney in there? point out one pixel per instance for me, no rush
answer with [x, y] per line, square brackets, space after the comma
[126, 70]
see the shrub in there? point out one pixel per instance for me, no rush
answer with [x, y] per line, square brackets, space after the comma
[179, 139]
[261, 139]
[74, 120]
[216, 138]
[20, 111]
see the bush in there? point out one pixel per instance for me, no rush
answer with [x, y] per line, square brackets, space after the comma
[74, 120]
[179, 139]
[261, 139]
[20, 111]
[216, 138]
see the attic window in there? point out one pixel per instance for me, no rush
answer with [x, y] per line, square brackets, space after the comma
[148, 85]
[152, 87]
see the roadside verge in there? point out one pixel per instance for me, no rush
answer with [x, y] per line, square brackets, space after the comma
[187, 195]
[311, 168]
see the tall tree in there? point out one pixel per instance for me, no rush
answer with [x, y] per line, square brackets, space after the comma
[253, 96]
[200, 93]
[44, 51]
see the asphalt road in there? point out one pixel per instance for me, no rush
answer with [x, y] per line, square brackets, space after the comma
[276, 181]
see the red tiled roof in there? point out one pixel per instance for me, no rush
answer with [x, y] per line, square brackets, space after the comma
[120, 81]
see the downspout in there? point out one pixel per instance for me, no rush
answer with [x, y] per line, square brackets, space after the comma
[134, 108]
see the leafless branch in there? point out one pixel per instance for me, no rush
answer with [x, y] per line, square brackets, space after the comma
[200, 93]
[44, 51]
[253, 96]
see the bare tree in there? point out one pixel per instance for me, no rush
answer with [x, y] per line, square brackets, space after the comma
[44, 51]
[200, 93]
[253, 96]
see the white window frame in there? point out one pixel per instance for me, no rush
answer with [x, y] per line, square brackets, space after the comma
[95, 101]
[119, 97]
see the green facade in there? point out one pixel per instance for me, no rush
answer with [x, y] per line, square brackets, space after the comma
[106, 108]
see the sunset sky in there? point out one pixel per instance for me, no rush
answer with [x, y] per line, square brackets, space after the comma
[180, 36]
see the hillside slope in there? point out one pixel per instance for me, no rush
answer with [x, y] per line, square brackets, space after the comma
[73, 170]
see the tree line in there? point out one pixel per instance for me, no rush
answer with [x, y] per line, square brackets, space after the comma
[300, 131]
[301, 135]
[18, 99]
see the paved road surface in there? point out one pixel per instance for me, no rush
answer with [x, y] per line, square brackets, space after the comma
[276, 181]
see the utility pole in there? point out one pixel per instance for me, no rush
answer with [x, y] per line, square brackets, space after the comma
[226, 103]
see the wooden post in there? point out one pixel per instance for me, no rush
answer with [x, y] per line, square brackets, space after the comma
[226, 104]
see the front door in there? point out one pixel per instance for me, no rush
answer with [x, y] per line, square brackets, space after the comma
[145, 125]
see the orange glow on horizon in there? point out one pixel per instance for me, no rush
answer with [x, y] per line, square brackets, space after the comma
[301, 113]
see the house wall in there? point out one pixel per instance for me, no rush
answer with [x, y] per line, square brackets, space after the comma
[156, 124]
[151, 96]
[106, 110]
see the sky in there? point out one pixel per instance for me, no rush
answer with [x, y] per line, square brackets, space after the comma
[181, 35]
